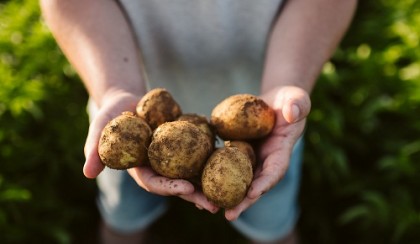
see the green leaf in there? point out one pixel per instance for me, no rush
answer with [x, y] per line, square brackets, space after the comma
[15, 194]
[354, 213]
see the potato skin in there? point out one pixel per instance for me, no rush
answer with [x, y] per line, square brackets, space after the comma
[246, 148]
[124, 141]
[242, 117]
[202, 123]
[157, 107]
[179, 150]
[227, 177]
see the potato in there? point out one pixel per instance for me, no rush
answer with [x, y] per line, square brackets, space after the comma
[242, 117]
[244, 147]
[179, 149]
[202, 123]
[158, 107]
[124, 141]
[226, 177]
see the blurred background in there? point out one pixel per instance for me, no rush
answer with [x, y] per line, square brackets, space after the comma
[361, 173]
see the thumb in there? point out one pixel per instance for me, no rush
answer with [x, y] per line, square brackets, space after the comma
[93, 165]
[297, 105]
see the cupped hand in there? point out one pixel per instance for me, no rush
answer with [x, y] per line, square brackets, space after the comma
[292, 105]
[114, 104]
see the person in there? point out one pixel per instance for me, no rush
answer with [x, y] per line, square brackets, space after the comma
[202, 52]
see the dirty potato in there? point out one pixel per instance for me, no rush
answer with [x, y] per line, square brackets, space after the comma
[227, 177]
[244, 147]
[242, 117]
[200, 121]
[157, 107]
[124, 141]
[179, 149]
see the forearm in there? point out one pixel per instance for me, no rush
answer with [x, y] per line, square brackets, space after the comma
[98, 42]
[303, 39]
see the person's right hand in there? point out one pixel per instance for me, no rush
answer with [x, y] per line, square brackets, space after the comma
[114, 104]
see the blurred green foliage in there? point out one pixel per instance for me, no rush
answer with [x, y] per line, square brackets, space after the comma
[361, 170]
[43, 195]
[361, 174]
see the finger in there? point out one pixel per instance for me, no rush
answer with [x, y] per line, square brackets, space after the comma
[296, 105]
[200, 201]
[293, 101]
[234, 213]
[266, 177]
[93, 165]
[273, 170]
[152, 182]
[109, 110]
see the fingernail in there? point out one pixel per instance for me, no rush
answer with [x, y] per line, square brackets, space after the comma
[199, 207]
[295, 112]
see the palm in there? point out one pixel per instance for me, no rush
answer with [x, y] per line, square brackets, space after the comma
[143, 175]
[109, 110]
[276, 149]
[275, 153]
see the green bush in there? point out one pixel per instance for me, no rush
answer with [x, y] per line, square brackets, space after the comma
[360, 175]
[43, 195]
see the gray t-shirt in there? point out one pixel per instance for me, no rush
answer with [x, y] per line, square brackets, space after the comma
[202, 51]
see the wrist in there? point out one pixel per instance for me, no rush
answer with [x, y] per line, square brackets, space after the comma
[274, 82]
[118, 94]
[113, 104]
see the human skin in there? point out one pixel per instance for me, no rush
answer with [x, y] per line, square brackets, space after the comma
[97, 40]
[303, 38]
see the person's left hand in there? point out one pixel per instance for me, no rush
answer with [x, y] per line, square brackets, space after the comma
[292, 105]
